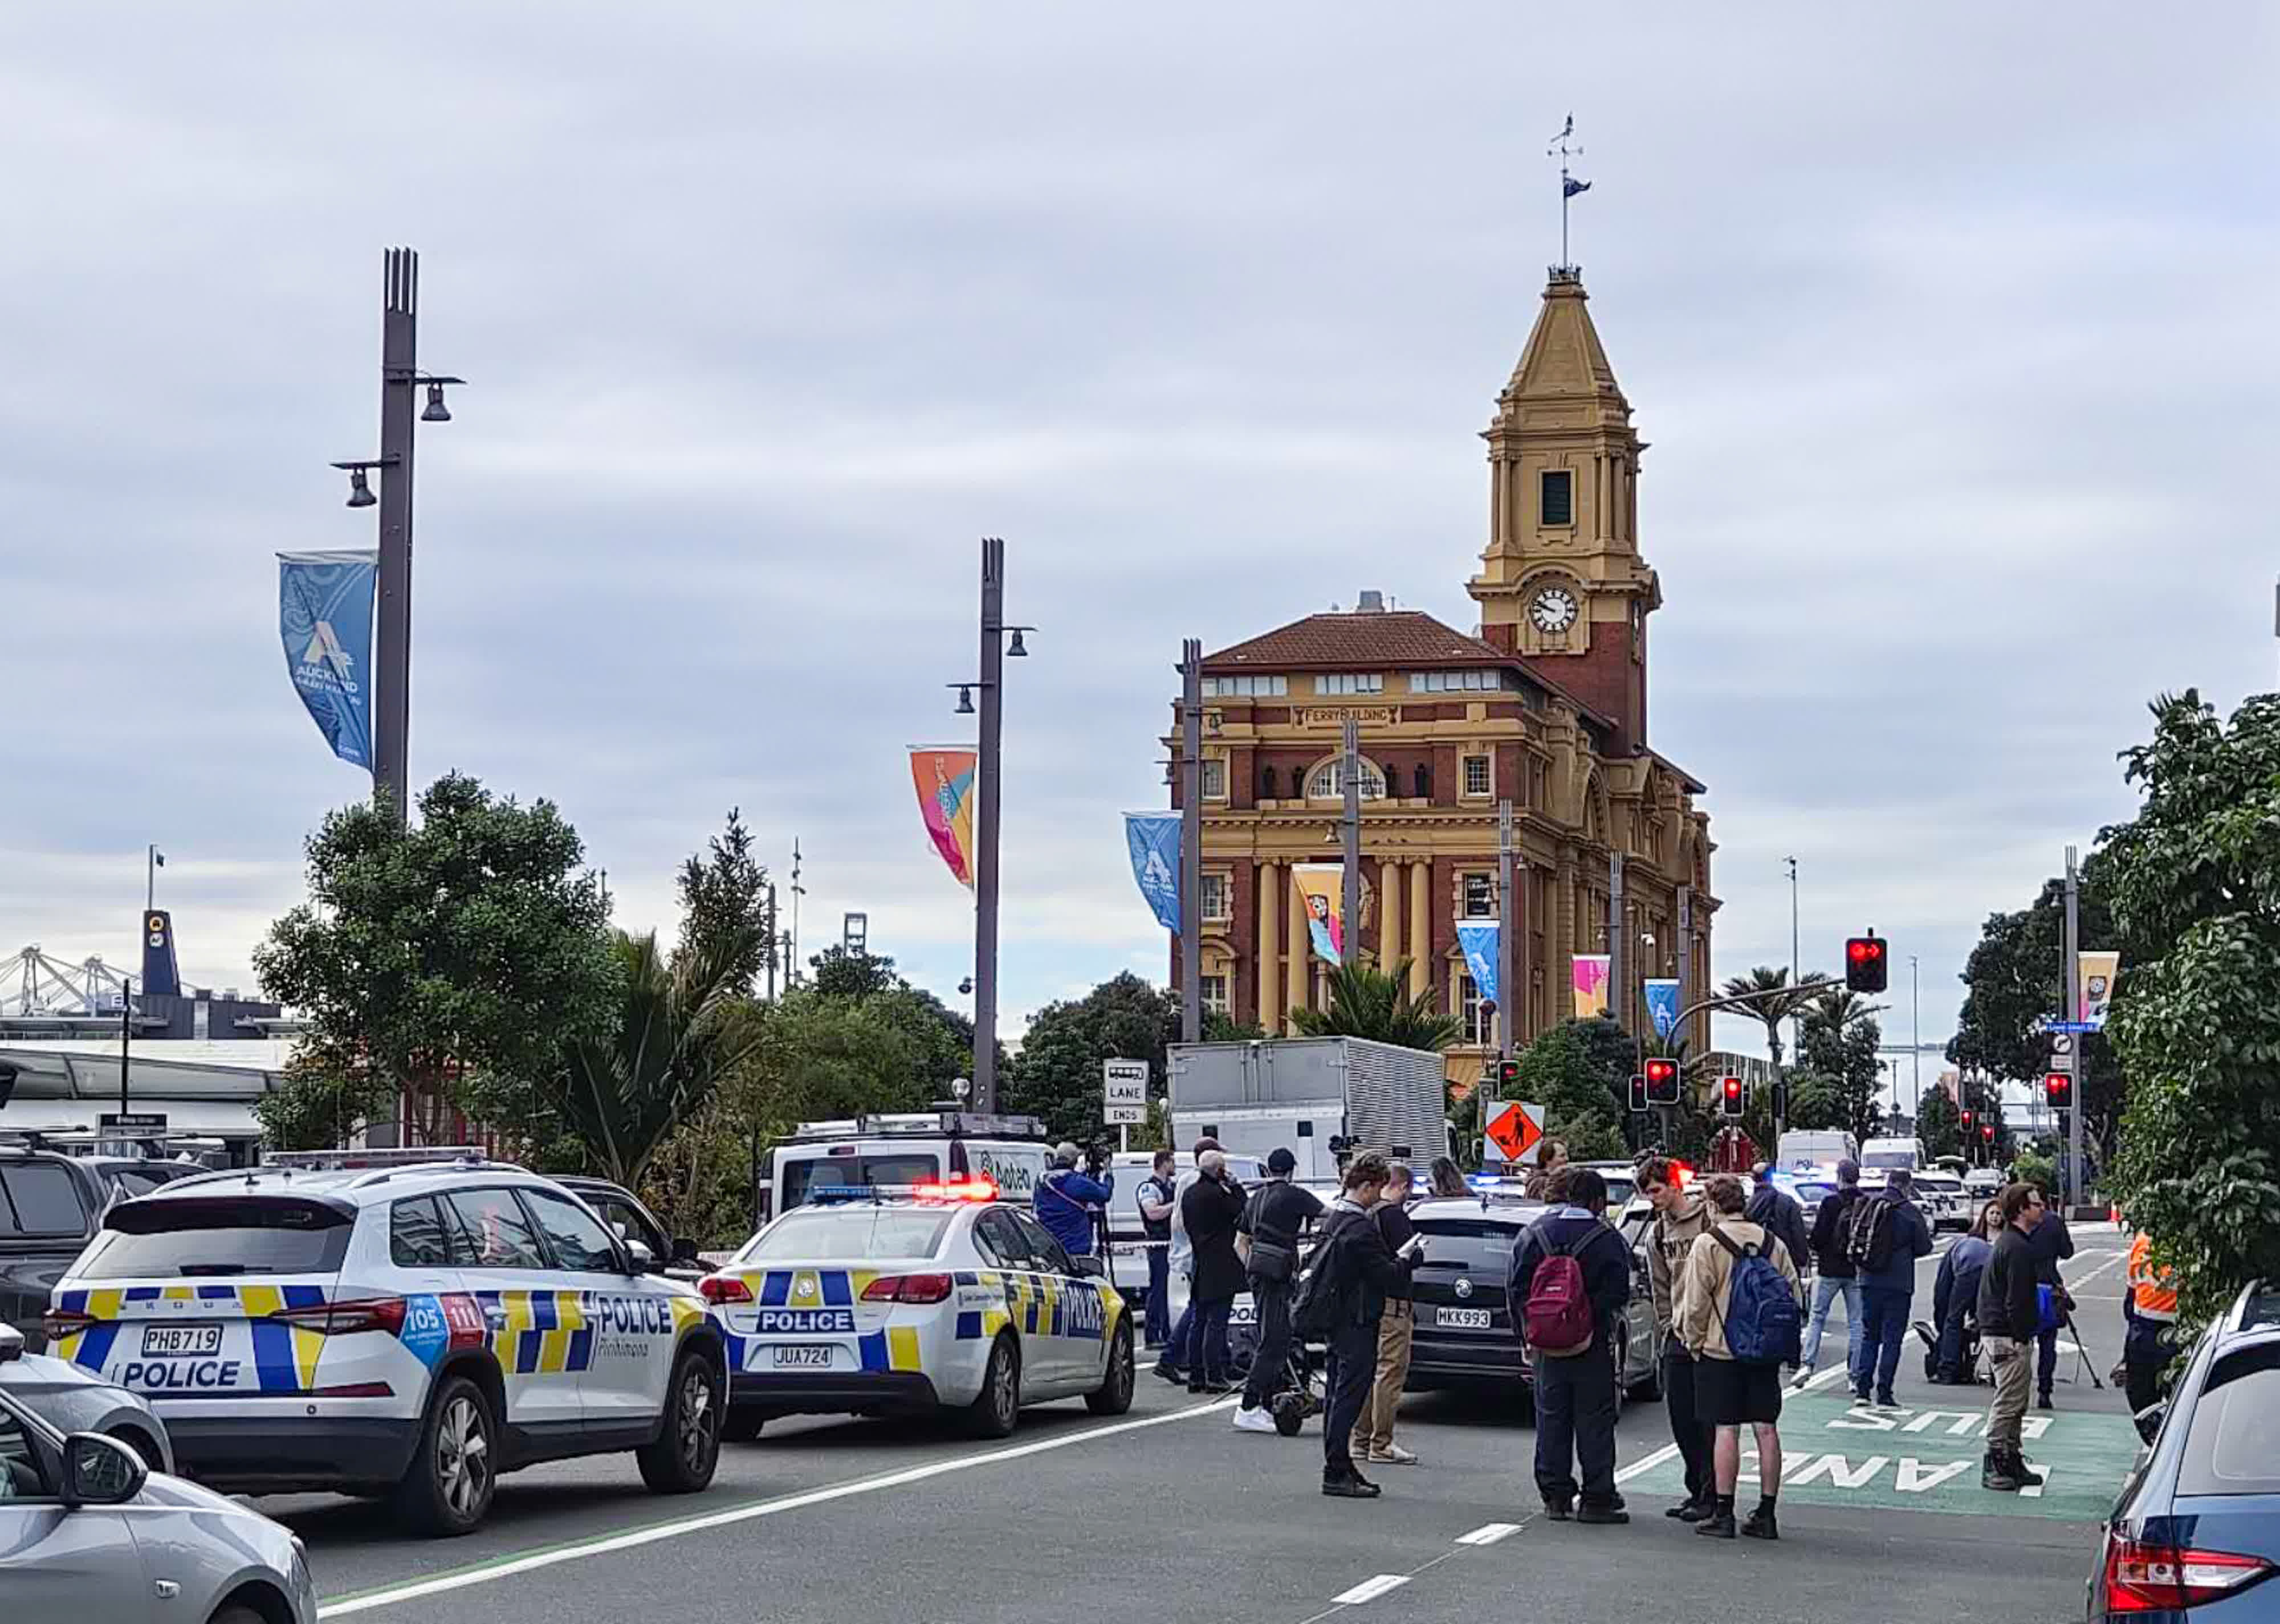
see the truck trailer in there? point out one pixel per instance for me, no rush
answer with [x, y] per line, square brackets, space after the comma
[1324, 1098]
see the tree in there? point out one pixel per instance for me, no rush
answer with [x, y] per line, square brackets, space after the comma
[1773, 1000]
[844, 973]
[2195, 885]
[315, 1106]
[1057, 1074]
[1567, 1070]
[1940, 1125]
[943, 1038]
[1367, 1002]
[724, 907]
[1839, 1054]
[468, 945]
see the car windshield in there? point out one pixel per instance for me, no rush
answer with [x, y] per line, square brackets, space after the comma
[802, 1178]
[1814, 1192]
[1888, 1158]
[854, 1232]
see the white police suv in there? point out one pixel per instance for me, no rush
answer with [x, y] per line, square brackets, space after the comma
[936, 1296]
[393, 1322]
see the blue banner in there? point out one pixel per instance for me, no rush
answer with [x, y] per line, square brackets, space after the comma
[1154, 840]
[324, 614]
[1662, 1006]
[1479, 939]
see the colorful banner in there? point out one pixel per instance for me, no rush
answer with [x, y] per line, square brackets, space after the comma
[1662, 1006]
[1591, 985]
[2099, 971]
[1323, 886]
[1153, 839]
[324, 616]
[944, 779]
[1478, 938]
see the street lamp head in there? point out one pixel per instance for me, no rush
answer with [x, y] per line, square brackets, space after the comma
[1015, 649]
[359, 491]
[436, 412]
[964, 698]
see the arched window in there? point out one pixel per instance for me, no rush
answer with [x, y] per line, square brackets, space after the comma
[1267, 784]
[1328, 784]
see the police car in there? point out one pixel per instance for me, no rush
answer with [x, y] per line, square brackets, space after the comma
[933, 1297]
[395, 1323]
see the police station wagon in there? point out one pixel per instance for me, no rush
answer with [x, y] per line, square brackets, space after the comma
[402, 1323]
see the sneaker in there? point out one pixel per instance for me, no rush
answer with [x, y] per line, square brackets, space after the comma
[1885, 1401]
[1609, 1515]
[1214, 1388]
[1717, 1524]
[1802, 1379]
[1760, 1526]
[1352, 1487]
[1392, 1455]
[1558, 1511]
[1261, 1419]
[1689, 1510]
[2043, 1401]
[1860, 1401]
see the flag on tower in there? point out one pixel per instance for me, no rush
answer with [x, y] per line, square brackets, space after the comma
[1571, 186]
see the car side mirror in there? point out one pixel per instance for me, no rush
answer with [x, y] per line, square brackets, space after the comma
[101, 1471]
[684, 1250]
[1088, 1267]
[642, 1259]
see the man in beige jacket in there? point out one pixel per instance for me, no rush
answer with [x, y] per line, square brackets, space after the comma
[1728, 1392]
[1681, 1217]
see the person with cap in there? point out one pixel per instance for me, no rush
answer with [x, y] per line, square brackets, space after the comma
[1276, 1215]
[1066, 1201]
[1157, 1193]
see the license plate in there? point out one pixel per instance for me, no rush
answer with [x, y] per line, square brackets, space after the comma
[802, 1359]
[165, 1342]
[1462, 1318]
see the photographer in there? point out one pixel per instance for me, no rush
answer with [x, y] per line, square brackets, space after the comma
[1067, 1200]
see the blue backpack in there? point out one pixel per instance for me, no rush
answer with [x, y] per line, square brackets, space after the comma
[1762, 1324]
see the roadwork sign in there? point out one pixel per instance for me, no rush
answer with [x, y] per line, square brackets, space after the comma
[1514, 1132]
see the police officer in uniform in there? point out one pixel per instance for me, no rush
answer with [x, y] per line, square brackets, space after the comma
[1158, 1198]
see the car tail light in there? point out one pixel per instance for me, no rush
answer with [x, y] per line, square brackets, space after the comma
[907, 1289]
[62, 1322]
[348, 1317]
[717, 1289]
[2145, 1577]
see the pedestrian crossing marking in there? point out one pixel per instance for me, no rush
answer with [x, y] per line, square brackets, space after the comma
[1371, 1589]
[1488, 1534]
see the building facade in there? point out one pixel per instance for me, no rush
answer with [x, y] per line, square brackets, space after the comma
[1544, 703]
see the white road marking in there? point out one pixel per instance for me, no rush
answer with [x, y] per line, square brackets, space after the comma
[1371, 1589]
[2033, 1489]
[1648, 1463]
[604, 1544]
[1488, 1533]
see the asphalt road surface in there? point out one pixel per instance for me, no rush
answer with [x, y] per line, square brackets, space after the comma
[1168, 1513]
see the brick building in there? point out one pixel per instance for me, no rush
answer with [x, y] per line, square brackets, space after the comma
[1543, 702]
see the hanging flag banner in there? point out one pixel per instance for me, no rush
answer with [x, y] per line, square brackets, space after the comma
[1662, 1006]
[324, 616]
[1478, 938]
[1591, 985]
[2099, 971]
[1323, 886]
[1153, 838]
[945, 778]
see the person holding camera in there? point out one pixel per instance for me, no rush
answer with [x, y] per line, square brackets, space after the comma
[1211, 1209]
[1277, 1214]
[1067, 1200]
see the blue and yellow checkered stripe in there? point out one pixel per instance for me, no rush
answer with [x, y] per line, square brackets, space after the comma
[284, 1356]
[540, 1333]
[1040, 1305]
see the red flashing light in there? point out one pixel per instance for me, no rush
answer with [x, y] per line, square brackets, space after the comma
[1661, 1071]
[723, 1289]
[1967, 1119]
[977, 1187]
[907, 1289]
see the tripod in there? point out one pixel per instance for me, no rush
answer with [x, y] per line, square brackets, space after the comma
[2083, 1363]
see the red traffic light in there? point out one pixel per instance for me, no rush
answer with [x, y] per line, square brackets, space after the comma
[1864, 963]
[1732, 1103]
[1987, 1130]
[1662, 1081]
[1860, 950]
[1967, 1119]
[1733, 1086]
[1661, 1071]
[2059, 1086]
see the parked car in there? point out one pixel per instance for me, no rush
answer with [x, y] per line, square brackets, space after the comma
[70, 1400]
[125, 1177]
[2196, 1527]
[49, 1209]
[1941, 1197]
[675, 1256]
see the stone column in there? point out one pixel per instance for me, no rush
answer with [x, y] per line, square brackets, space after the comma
[1420, 927]
[1295, 988]
[1389, 914]
[1270, 935]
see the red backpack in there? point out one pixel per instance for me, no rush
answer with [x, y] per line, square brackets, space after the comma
[1558, 1315]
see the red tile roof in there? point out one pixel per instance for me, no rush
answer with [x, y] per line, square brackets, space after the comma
[1363, 639]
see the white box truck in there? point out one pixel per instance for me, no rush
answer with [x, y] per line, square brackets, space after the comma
[1318, 1096]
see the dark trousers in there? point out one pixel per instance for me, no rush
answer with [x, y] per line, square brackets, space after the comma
[1954, 1339]
[1272, 1349]
[1206, 1350]
[1160, 1296]
[2047, 1359]
[1886, 1312]
[1688, 1430]
[1575, 1422]
[1353, 1367]
[1175, 1351]
[2145, 1354]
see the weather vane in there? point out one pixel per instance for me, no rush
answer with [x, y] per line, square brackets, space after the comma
[1563, 147]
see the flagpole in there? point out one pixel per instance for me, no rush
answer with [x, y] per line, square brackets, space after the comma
[151, 877]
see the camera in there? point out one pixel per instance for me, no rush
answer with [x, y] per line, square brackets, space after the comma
[1095, 1159]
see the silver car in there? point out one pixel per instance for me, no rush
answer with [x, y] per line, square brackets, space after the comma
[86, 1531]
[71, 1400]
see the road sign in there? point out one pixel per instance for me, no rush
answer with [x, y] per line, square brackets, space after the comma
[132, 1121]
[1515, 1132]
[2073, 1026]
[1124, 1091]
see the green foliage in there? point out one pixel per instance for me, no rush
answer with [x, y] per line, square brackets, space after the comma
[1057, 1074]
[1582, 1082]
[724, 908]
[2195, 885]
[1369, 1002]
[821, 1056]
[1838, 1051]
[2037, 1168]
[1939, 1126]
[467, 946]
[1773, 999]
[837, 973]
[315, 1106]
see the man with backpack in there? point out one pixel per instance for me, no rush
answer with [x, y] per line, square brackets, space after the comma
[1833, 1276]
[1278, 1212]
[1341, 1300]
[1886, 1234]
[1572, 1272]
[1739, 1315]
[1681, 1216]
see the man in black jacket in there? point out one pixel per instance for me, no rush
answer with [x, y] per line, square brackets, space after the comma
[2008, 1315]
[1576, 1394]
[1210, 1212]
[1278, 1214]
[1358, 1272]
[1775, 1211]
[1830, 1224]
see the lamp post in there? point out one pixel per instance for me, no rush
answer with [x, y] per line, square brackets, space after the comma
[1797, 1021]
[995, 649]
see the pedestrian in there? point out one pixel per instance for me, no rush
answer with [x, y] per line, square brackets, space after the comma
[1211, 1209]
[1681, 1217]
[1067, 1201]
[1539, 1182]
[1738, 1314]
[1355, 1270]
[1834, 1274]
[1396, 1327]
[1444, 1178]
[2053, 1245]
[1571, 1273]
[1886, 1236]
[2008, 1315]
[1172, 1366]
[1157, 1196]
[1272, 1219]
[1955, 1297]
[1776, 1211]
[2149, 1307]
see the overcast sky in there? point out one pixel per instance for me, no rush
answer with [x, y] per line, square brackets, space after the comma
[1953, 336]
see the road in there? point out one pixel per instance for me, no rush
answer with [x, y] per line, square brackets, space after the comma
[1169, 1513]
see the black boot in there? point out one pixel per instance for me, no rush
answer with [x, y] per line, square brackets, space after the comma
[1559, 1510]
[1761, 1524]
[1610, 1514]
[1689, 1510]
[1720, 1523]
[1995, 1473]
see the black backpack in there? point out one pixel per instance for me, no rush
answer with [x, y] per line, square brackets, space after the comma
[1321, 1295]
[1868, 1232]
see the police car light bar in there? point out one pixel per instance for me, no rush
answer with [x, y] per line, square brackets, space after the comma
[332, 1161]
[976, 1187]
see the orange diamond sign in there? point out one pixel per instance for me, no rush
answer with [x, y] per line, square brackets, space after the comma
[1515, 1130]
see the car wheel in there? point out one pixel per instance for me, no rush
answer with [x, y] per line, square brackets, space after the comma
[742, 1426]
[687, 1447]
[448, 1488]
[1114, 1395]
[235, 1615]
[998, 1407]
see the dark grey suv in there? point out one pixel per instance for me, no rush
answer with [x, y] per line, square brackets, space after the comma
[50, 1208]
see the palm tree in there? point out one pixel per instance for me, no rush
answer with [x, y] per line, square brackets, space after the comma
[1367, 1002]
[1840, 1008]
[1773, 1000]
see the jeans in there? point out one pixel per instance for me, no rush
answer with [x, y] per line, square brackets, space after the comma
[2047, 1359]
[2009, 1407]
[1687, 1429]
[1954, 1339]
[1160, 1296]
[1273, 1352]
[1396, 1334]
[1576, 1420]
[1826, 1288]
[1207, 1340]
[1353, 1366]
[1886, 1314]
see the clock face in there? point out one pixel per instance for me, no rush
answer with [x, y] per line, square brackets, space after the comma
[1554, 610]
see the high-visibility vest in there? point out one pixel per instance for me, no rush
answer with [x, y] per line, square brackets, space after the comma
[2152, 1291]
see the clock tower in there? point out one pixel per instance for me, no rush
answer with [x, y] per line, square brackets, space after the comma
[1561, 583]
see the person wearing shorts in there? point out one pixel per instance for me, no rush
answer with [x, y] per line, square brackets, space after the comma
[1729, 1394]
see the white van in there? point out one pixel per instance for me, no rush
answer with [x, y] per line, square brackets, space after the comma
[1880, 1158]
[1128, 1235]
[904, 1147]
[1802, 1150]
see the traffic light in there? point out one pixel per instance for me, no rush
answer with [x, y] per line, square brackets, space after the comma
[1508, 1076]
[1967, 1122]
[2058, 1087]
[1987, 1131]
[1865, 969]
[1638, 1091]
[1731, 1095]
[1661, 1082]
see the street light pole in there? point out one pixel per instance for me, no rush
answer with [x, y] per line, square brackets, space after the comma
[1915, 1037]
[985, 826]
[1191, 840]
[1797, 1021]
[1350, 844]
[2071, 1001]
[399, 365]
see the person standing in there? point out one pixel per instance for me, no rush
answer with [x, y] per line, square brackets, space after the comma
[1357, 1271]
[1068, 1203]
[1681, 1217]
[1539, 1180]
[1157, 1195]
[1885, 1243]
[1775, 1211]
[1397, 1328]
[1211, 1209]
[2008, 1315]
[1444, 1178]
[1172, 1366]
[2053, 1245]
[1955, 1296]
[1575, 1386]
[2149, 1306]
[1726, 1273]
[1835, 1276]
[1277, 1213]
